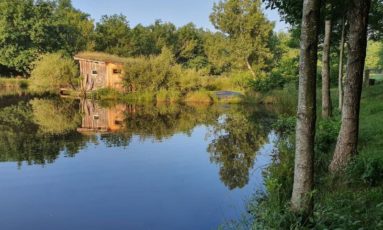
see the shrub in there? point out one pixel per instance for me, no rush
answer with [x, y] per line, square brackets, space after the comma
[366, 168]
[167, 95]
[152, 73]
[199, 97]
[266, 84]
[52, 71]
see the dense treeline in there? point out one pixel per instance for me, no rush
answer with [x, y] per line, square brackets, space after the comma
[246, 50]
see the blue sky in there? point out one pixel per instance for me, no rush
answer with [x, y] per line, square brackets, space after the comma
[179, 12]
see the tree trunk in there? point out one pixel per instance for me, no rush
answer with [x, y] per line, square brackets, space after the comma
[326, 96]
[301, 200]
[366, 78]
[250, 68]
[341, 54]
[348, 137]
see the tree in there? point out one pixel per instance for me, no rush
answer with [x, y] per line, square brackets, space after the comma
[326, 96]
[346, 147]
[217, 52]
[302, 201]
[164, 34]
[248, 31]
[17, 45]
[75, 29]
[112, 35]
[143, 42]
[189, 50]
[30, 28]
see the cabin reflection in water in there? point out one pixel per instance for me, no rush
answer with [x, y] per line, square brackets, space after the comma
[99, 119]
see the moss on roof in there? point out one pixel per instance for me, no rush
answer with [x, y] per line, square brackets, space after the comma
[98, 56]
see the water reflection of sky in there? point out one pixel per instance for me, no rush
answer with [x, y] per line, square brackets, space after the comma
[167, 184]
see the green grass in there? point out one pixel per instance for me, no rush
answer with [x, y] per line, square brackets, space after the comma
[378, 77]
[351, 200]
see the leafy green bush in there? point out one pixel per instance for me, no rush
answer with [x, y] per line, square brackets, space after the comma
[268, 83]
[200, 97]
[152, 73]
[367, 168]
[52, 71]
[167, 96]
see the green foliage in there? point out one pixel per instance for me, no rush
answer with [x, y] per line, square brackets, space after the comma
[46, 78]
[367, 168]
[199, 97]
[248, 32]
[374, 58]
[168, 96]
[29, 28]
[152, 73]
[267, 83]
[112, 35]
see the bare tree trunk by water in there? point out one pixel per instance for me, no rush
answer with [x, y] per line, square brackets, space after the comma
[348, 136]
[326, 96]
[301, 200]
[341, 54]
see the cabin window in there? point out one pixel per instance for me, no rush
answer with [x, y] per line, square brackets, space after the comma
[96, 117]
[116, 71]
[118, 122]
[94, 72]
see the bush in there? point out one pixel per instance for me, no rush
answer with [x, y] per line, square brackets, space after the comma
[199, 97]
[267, 83]
[152, 73]
[167, 96]
[366, 168]
[53, 71]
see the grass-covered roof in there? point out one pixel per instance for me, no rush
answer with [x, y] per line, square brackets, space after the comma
[99, 56]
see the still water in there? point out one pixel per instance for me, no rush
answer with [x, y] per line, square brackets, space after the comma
[82, 165]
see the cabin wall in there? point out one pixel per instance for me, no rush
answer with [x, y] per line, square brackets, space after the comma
[115, 80]
[94, 74]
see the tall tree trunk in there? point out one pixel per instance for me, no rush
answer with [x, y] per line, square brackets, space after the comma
[341, 54]
[326, 96]
[301, 200]
[348, 136]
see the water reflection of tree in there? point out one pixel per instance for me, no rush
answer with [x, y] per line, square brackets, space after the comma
[161, 122]
[55, 116]
[27, 138]
[237, 140]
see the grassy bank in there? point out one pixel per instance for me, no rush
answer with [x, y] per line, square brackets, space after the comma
[351, 200]
[164, 96]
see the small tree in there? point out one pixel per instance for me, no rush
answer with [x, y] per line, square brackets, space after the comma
[53, 71]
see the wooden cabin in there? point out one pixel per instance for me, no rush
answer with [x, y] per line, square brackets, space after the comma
[100, 70]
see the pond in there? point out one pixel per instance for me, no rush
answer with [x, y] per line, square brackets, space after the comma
[82, 165]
